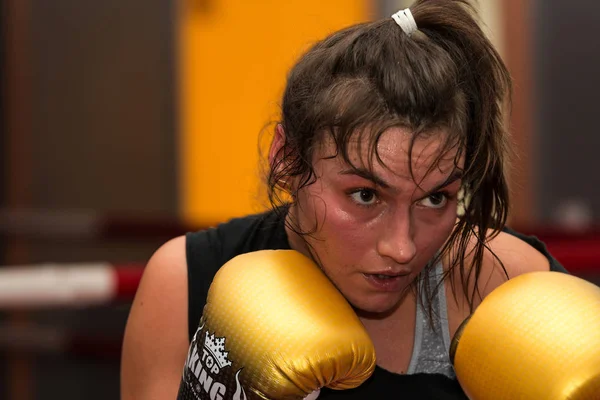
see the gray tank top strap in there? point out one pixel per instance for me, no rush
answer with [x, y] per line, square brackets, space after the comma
[432, 343]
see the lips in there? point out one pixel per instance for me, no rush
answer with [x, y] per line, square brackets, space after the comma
[388, 274]
[387, 281]
[382, 276]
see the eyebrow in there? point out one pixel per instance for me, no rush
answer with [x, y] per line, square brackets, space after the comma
[456, 175]
[366, 174]
[370, 176]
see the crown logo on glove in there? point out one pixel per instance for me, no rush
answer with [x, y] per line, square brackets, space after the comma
[216, 347]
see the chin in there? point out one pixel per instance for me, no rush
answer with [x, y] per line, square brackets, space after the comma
[380, 307]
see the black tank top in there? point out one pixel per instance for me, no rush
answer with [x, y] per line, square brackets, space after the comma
[209, 249]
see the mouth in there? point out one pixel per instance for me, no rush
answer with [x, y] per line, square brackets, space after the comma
[388, 274]
[387, 282]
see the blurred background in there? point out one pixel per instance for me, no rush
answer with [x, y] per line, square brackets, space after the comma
[127, 122]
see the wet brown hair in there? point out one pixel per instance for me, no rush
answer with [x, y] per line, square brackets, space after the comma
[369, 77]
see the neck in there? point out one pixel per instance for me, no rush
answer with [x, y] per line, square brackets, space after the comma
[407, 299]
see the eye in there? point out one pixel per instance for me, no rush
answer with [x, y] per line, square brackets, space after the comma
[435, 200]
[364, 197]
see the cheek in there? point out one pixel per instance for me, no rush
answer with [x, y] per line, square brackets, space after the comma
[337, 226]
[342, 226]
[433, 232]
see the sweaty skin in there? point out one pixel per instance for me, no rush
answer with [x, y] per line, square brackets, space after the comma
[378, 228]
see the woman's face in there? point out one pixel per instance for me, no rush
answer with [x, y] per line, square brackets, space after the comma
[378, 228]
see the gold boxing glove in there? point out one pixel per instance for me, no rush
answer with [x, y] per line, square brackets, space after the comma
[535, 337]
[275, 327]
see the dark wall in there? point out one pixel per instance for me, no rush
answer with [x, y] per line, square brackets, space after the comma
[103, 109]
[567, 61]
[3, 124]
[101, 112]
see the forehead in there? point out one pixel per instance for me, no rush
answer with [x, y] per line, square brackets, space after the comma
[429, 153]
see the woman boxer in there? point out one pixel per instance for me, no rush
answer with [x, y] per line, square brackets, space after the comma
[388, 169]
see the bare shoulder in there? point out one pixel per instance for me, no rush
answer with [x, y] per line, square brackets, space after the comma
[517, 256]
[505, 257]
[156, 339]
[165, 274]
[168, 261]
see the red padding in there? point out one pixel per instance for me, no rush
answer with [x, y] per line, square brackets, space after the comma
[579, 256]
[128, 278]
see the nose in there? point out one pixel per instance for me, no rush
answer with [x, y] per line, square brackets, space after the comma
[396, 240]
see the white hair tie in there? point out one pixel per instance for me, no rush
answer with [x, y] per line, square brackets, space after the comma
[405, 19]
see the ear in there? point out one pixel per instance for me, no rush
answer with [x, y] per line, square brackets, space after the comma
[276, 145]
